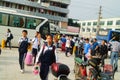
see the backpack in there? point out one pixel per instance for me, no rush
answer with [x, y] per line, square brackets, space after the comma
[11, 36]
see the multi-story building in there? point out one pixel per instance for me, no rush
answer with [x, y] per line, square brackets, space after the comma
[89, 27]
[55, 10]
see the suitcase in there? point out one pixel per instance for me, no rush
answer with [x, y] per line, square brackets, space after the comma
[59, 69]
[28, 59]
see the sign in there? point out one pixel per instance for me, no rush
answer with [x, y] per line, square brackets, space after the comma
[73, 29]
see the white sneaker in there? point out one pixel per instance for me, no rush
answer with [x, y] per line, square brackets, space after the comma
[22, 71]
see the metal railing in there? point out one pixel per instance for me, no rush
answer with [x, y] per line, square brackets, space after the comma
[38, 5]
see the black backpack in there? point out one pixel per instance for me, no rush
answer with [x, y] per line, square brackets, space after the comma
[11, 36]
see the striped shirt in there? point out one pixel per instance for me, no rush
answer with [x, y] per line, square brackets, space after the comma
[115, 45]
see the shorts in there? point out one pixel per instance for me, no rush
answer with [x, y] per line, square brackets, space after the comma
[34, 52]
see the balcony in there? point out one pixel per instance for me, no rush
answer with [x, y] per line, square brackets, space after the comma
[63, 1]
[51, 17]
[38, 5]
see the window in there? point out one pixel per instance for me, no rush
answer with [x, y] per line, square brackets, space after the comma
[88, 29]
[94, 23]
[89, 23]
[118, 22]
[94, 30]
[109, 22]
[7, 4]
[83, 24]
[17, 21]
[3, 19]
[32, 23]
[102, 22]
[83, 29]
[20, 7]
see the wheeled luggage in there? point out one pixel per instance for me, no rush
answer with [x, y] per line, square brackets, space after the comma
[28, 59]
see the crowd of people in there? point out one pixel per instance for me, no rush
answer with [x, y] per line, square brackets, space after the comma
[86, 48]
[44, 51]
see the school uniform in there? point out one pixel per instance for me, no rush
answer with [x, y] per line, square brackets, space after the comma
[46, 57]
[23, 48]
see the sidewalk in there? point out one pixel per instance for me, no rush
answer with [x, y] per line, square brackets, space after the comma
[9, 67]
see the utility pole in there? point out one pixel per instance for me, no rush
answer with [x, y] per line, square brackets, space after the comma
[98, 23]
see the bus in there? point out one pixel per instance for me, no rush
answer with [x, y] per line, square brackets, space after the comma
[107, 34]
[17, 22]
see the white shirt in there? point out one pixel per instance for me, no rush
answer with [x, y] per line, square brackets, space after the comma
[8, 34]
[23, 39]
[67, 43]
[35, 43]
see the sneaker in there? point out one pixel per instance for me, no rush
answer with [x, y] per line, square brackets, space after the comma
[22, 71]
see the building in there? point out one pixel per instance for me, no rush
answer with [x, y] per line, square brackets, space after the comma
[55, 10]
[89, 27]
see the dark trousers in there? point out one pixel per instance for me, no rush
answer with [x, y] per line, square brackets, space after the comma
[103, 60]
[67, 50]
[34, 53]
[21, 60]
[8, 42]
[0, 50]
[85, 59]
[44, 70]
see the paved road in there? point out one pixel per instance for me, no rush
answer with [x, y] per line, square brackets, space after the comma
[9, 67]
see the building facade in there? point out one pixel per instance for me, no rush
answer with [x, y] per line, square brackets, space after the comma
[89, 27]
[55, 10]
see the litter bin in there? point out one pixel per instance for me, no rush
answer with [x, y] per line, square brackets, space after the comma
[3, 44]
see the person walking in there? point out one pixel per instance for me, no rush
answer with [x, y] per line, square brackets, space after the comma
[95, 47]
[63, 40]
[115, 46]
[23, 48]
[103, 52]
[46, 57]
[67, 46]
[9, 38]
[87, 47]
[35, 46]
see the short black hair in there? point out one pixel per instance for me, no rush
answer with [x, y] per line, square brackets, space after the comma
[9, 30]
[95, 39]
[25, 31]
[50, 35]
[87, 39]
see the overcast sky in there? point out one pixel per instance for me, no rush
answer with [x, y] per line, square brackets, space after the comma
[88, 9]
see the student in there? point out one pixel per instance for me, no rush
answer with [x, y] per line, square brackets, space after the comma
[95, 47]
[35, 46]
[9, 38]
[87, 47]
[23, 48]
[46, 57]
[37, 42]
[67, 46]
[103, 51]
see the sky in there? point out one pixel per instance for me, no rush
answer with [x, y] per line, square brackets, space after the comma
[88, 9]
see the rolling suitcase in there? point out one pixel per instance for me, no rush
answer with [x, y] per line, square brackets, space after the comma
[28, 59]
[59, 69]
